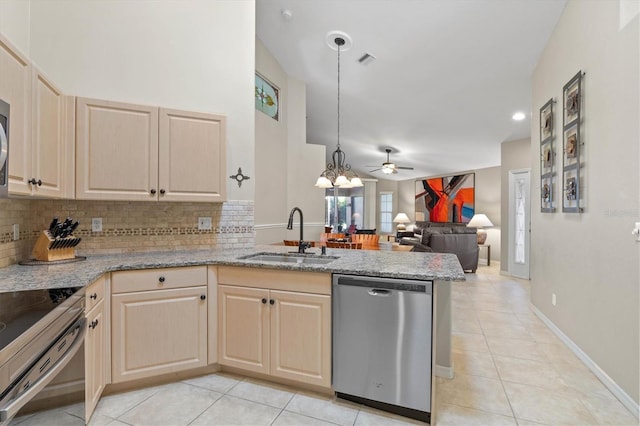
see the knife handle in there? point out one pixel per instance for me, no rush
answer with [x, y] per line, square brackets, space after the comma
[53, 223]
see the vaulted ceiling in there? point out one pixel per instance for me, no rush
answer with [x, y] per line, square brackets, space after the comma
[447, 78]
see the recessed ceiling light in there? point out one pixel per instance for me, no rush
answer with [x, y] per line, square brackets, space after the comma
[518, 116]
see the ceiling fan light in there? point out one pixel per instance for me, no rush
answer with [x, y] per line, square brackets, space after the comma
[341, 181]
[387, 170]
[323, 182]
[356, 182]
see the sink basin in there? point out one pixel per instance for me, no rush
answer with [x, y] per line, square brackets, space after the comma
[308, 259]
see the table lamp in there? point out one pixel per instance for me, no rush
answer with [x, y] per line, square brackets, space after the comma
[480, 221]
[401, 219]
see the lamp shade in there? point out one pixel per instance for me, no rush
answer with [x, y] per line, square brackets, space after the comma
[356, 182]
[341, 180]
[480, 221]
[323, 182]
[401, 218]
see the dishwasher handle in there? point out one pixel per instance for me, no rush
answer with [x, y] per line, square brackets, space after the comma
[379, 292]
[383, 283]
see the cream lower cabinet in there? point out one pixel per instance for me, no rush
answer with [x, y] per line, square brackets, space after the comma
[159, 322]
[267, 328]
[96, 345]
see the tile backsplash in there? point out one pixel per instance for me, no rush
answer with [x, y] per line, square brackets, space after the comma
[127, 226]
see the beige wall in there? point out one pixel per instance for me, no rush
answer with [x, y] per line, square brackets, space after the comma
[488, 200]
[590, 260]
[514, 155]
[286, 166]
[14, 22]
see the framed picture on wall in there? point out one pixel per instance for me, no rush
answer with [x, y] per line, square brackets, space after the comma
[573, 145]
[446, 198]
[547, 158]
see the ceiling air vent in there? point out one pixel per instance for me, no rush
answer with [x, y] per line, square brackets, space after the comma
[366, 59]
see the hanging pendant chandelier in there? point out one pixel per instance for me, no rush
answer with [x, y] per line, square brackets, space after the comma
[338, 171]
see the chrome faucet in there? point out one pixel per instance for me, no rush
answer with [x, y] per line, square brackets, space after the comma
[301, 244]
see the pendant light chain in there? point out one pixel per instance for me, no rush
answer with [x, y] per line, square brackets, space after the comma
[339, 44]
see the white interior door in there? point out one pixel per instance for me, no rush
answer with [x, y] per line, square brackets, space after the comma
[519, 222]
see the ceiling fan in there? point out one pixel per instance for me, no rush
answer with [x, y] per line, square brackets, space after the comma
[388, 167]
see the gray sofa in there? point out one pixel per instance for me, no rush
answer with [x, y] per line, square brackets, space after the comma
[454, 238]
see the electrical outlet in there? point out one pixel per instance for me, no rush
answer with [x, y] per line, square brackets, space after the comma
[204, 223]
[16, 232]
[96, 224]
[553, 299]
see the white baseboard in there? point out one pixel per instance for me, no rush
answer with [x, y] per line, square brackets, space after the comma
[444, 372]
[615, 389]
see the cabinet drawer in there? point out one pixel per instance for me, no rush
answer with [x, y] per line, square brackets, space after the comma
[152, 279]
[276, 279]
[94, 293]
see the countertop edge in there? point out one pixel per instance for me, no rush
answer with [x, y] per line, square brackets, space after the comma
[386, 264]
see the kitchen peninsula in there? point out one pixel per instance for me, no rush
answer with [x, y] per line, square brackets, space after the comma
[202, 280]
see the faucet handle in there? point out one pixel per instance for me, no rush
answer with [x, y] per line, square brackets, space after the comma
[303, 245]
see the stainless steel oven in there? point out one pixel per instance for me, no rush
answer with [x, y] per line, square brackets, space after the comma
[40, 332]
[4, 149]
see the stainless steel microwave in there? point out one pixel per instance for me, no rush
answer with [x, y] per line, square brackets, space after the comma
[4, 149]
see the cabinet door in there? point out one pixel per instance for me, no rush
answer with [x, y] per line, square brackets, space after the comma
[243, 318]
[49, 137]
[116, 151]
[301, 337]
[15, 89]
[192, 160]
[95, 360]
[157, 332]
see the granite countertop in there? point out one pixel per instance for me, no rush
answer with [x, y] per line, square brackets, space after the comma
[379, 263]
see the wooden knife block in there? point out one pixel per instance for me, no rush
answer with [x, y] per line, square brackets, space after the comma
[41, 250]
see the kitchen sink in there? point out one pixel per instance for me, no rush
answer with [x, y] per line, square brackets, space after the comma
[308, 259]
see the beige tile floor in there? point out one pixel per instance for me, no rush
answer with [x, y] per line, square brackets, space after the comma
[509, 370]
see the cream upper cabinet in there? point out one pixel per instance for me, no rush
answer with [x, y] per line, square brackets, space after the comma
[192, 160]
[116, 151]
[53, 140]
[15, 89]
[159, 322]
[276, 322]
[41, 134]
[137, 152]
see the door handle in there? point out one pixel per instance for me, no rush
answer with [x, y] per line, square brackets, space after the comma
[379, 292]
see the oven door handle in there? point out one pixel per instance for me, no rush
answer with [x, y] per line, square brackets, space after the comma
[10, 410]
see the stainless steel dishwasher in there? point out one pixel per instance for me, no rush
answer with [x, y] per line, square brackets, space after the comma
[382, 343]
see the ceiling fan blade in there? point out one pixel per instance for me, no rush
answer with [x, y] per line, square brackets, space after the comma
[374, 170]
[404, 168]
[395, 170]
